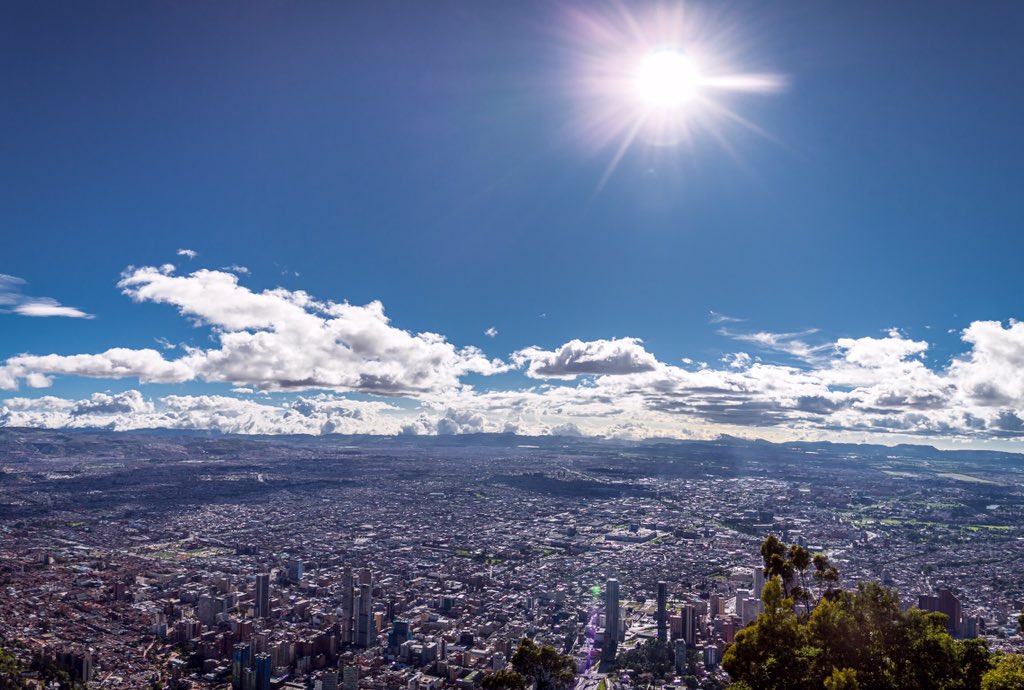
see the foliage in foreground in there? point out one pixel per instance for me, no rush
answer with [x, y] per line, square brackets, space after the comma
[533, 664]
[856, 640]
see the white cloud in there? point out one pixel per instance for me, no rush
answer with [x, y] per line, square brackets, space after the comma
[190, 253]
[129, 410]
[288, 340]
[491, 332]
[992, 372]
[43, 306]
[587, 358]
[716, 317]
[271, 340]
[13, 300]
[793, 344]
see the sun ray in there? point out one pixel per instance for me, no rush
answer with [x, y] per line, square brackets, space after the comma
[627, 141]
[659, 78]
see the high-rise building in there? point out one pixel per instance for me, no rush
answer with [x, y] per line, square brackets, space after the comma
[207, 610]
[689, 614]
[675, 626]
[758, 581]
[611, 617]
[263, 595]
[296, 569]
[680, 657]
[264, 670]
[347, 606]
[243, 631]
[662, 612]
[969, 627]
[945, 602]
[950, 605]
[330, 680]
[239, 662]
[366, 633]
[350, 678]
[711, 657]
[398, 635]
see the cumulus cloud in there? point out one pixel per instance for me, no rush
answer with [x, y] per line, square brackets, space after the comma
[126, 403]
[189, 253]
[13, 300]
[289, 341]
[587, 358]
[992, 372]
[271, 340]
[491, 332]
[128, 410]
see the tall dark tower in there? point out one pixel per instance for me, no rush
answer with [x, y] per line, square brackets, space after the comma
[662, 612]
[263, 595]
[611, 618]
[348, 613]
[365, 632]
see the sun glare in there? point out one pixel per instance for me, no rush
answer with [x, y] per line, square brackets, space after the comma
[667, 78]
[659, 77]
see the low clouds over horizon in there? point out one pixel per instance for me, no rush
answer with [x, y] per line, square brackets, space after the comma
[320, 353]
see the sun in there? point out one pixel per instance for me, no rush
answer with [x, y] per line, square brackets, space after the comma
[660, 77]
[667, 79]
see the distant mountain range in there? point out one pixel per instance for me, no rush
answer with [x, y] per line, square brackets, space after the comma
[80, 440]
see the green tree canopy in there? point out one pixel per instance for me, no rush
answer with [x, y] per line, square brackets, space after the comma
[1006, 674]
[852, 639]
[652, 656]
[531, 664]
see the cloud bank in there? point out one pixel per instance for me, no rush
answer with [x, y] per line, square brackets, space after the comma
[319, 360]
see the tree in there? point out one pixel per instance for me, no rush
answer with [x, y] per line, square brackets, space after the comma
[503, 680]
[772, 653]
[853, 639]
[842, 679]
[1007, 674]
[793, 565]
[10, 673]
[975, 660]
[653, 656]
[534, 664]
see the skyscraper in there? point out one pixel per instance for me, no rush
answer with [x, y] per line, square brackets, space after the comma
[365, 633]
[264, 669]
[330, 680]
[758, 581]
[689, 613]
[950, 605]
[347, 605]
[350, 678]
[263, 595]
[239, 662]
[399, 634]
[945, 602]
[662, 614]
[611, 617]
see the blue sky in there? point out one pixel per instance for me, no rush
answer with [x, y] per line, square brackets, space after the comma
[437, 158]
